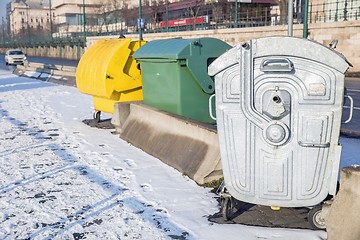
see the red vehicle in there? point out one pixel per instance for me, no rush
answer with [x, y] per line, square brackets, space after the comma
[184, 22]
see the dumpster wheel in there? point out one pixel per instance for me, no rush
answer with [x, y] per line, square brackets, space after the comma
[96, 116]
[227, 208]
[315, 218]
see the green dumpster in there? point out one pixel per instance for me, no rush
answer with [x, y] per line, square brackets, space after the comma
[174, 75]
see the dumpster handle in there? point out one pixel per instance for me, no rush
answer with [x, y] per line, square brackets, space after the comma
[276, 65]
[351, 108]
[318, 145]
[210, 107]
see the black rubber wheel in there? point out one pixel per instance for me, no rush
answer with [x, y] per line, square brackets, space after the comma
[315, 219]
[96, 116]
[227, 208]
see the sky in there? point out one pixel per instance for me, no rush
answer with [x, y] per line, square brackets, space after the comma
[3, 8]
[61, 179]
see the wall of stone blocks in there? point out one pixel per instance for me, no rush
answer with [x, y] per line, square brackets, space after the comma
[347, 34]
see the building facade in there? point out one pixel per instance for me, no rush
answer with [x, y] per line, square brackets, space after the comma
[71, 18]
[70, 15]
[28, 18]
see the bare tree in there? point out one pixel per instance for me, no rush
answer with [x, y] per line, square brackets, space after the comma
[156, 7]
[116, 6]
[22, 34]
[111, 12]
[283, 4]
[194, 10]
[104, 14]
[124, 14]
[220, 11]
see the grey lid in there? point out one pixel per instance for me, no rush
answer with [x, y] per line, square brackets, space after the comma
[299, 47]
[283, 46]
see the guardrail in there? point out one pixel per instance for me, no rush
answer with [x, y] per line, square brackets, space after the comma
[60, 74]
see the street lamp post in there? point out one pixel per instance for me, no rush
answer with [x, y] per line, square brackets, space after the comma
[167, 14]
[305, 20]
[51, 31]
[27, 21]
[290, 17]
[139, 21]
[3, 30]
[84, 23]
[236, 13]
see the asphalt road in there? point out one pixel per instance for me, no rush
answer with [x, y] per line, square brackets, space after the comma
[353, 127]
[58, 61]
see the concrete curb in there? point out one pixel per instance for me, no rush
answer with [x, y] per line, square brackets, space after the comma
[353, 75]
[343, 220]
[350, 133]
[190, 147]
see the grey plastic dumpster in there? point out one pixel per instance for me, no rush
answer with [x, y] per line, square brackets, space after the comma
[174, 74]
[278, 107]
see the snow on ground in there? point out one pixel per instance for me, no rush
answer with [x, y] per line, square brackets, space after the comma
[61, 179]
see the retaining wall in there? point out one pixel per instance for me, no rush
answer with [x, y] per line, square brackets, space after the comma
[347, 33]
[73, 52]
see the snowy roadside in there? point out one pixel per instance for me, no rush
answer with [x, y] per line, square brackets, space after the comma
[61, 179]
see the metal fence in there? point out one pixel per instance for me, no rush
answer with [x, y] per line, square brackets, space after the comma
[198, 16]
[335, 11]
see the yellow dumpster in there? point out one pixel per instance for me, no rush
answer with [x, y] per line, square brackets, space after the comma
[108, 72]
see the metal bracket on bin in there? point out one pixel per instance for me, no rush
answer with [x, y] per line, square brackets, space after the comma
[317, 145]
[210, 107]
[276, 65]
[351, 108]
[203, 79]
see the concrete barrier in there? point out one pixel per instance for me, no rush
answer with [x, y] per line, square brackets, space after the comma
[48, 72]
[343, 220]
[190, 147]
[121, 113]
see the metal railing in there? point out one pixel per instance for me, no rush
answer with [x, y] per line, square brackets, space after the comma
[335, 11]
[209, 16]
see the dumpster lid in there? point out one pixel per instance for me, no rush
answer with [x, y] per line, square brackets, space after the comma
[283, 46]
[300, 47]
[174, 48]
[198, 53]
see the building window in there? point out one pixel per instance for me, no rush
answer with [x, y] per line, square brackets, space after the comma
[22, 20]
[71, 19]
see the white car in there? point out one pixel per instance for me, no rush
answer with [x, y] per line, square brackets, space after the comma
[15, 56]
